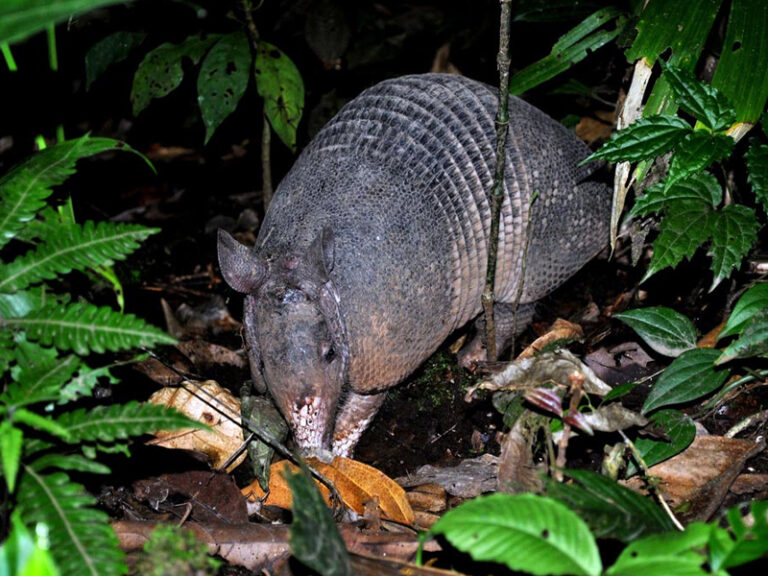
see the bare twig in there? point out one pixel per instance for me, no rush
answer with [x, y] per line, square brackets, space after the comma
[497, 192]
[577, 390]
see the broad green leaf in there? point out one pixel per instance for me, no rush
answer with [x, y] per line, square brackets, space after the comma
[681, 25]
[666, 331]
[646, 138]
[110, 50]
[121, 421]
[697, 151]
[280, 85]
[753, 340]
[689, 377]
[11, 439]
[315, 539]
[161, 71]
[752, 302]
[610, 510]
[700, 100]
[740, 72]
[223, 79]
[748, 541]
[571, 48]
[679, 429]
[85, 328]
[82, 541]
[70, 247]
[685, 228]
[734, 232]
[527, 533]
[665, 554]
[22, 18]
[24, 189]
[757, 171]
[702, 187]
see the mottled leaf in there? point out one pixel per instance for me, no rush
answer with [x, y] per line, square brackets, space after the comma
[161, 71]
[680, 431]
[223, 79]
[646, 138]
[689, 377]
[110, 50]
[610, 510]
[684, 230]
[700, 100]
[751, 302]
[497, 527]
[695, 152]
[753, 340]
[280, 84]
[734, 232]
[701, 187]
[757, 171]
[663, 329]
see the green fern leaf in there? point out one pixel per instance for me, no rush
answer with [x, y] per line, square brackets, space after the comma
[40, 381]
[121, 421]
[73, 247]
[69, 462]
[82, 541]
[24, 189]
[85, 328]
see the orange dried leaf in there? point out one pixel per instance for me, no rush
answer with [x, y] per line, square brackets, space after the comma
[218, 444]
[560, 330]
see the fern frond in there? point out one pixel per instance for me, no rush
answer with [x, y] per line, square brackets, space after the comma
[40, 381]
[87, 328]
[70, 247]
[24, 189]
[121, 421]
[69, 462]
[22, 303]
[82, 541]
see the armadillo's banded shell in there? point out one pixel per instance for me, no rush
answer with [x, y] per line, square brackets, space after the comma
[402, 175]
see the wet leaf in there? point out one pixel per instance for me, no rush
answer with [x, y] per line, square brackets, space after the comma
[751, 302]
[646, 138]
[700, 100]
[666, 331]
[695, 152]
[702, 187]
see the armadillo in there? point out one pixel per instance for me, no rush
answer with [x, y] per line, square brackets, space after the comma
[374, 247]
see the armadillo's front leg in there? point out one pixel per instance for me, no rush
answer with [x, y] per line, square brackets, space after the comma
[507, 324]
[356, 413]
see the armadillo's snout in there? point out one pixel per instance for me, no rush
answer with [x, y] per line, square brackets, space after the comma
[309, 423]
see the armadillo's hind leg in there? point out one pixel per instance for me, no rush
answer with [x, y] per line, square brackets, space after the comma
[508, 324]
[356, 413]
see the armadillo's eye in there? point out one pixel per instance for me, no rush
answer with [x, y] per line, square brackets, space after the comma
[329, 354]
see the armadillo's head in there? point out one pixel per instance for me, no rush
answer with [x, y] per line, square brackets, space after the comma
[294, 331]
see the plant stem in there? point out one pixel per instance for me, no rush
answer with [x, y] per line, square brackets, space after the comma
[8, 56]
[497, 192]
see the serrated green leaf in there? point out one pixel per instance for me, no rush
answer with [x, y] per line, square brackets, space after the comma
[280, 85]
[20, 19]
[752, 342]
[82, 541]
[85, 328]
[701, 187]
[610, 510]
[697, 151]
[666, 331]
[700, 100]
[121, 421]
[685, 228]
[223, 79]
[680, 431]
[500, 527]
[740, 72]
[108, 51]
[734, 232]
[757, 171]
[161, 71]
[665, 554]
[73, 247]
[11, 439]
[646, 138]
[689, 377]
[24, 189]
[42, 423]
[315, 539]
[40, 380]
[571, 48]
[751, 303]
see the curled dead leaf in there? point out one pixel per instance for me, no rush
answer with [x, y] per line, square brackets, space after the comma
[561, 330]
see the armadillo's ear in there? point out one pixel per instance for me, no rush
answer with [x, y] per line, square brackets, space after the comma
[243, 270]
[321, 253]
